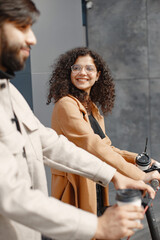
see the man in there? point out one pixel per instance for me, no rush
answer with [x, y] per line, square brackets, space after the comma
[25, 145]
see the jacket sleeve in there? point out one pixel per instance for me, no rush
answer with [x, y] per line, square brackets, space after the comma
[33, 209]
[63, 155]
[128, 156]
[69, 119]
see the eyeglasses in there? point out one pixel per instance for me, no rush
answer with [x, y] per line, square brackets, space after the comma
[76, 68]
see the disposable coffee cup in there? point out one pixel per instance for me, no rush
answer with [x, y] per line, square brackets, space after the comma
[143, 161]
[128, 197]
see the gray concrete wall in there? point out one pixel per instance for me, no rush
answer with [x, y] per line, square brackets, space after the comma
[126, 33]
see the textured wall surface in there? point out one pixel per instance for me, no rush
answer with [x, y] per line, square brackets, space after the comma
[127, 34]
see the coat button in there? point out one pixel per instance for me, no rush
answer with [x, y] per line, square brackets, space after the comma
[3, 85]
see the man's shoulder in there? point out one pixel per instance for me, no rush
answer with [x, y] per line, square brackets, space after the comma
[19, 102]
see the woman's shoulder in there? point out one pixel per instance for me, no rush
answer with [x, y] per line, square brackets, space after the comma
[68, 100]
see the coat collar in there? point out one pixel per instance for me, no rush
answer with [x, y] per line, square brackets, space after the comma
[6, 75]
[95, 110]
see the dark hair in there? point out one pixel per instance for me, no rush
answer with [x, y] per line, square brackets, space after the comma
[18, 11]
[60, 85]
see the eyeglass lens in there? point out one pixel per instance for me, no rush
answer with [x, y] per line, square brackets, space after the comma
[78, 68]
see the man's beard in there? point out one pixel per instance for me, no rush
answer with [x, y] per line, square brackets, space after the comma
[10, 57]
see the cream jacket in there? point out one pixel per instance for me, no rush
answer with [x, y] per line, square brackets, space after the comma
[70, 118]
[25, 209]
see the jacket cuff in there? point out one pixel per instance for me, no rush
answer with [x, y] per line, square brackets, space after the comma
[104, 174]
[87, 226]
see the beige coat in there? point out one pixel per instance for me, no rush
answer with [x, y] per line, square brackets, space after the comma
[70, 118]
[25, 209]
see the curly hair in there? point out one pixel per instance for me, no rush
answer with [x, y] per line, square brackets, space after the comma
[102, 92]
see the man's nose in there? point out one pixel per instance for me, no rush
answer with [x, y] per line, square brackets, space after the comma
[30, 37]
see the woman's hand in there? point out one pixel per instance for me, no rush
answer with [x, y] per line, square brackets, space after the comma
[148, 177]
[156, 163]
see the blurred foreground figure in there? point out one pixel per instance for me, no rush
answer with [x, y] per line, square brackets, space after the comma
[26, 145]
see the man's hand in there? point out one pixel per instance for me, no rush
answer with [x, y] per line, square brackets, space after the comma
[119, 222]
[121, 182]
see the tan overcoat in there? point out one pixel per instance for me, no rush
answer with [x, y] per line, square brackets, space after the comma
[70, 118]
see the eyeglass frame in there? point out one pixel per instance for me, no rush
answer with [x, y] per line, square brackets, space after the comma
[81, 67]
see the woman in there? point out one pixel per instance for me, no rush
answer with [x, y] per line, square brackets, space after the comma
[80, 82]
